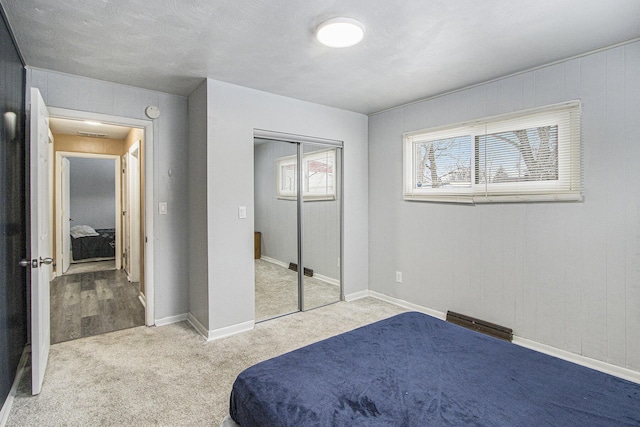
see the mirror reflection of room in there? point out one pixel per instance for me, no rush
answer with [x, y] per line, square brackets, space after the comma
[279, 287]
[276, 234]
[321, 225]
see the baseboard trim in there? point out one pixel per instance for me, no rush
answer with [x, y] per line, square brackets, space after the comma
[598, 365]
[171, 319]
[607, 368]
[197, 325]
[274, 261]
[217, 334]
[356, 296]
[405, 304]
[326, 279]
[8, 403]
[227, 331]
[143, 299]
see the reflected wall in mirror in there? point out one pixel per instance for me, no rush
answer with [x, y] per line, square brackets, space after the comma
[276, 221]
[321, 225]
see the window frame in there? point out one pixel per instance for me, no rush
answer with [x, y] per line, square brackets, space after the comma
[568, 186]
[280, 163]
[306, 158]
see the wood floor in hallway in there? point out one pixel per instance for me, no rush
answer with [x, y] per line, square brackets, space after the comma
[93, 303]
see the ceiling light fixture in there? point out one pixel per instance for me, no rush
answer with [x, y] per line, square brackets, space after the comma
[340, 32]
[92, 122]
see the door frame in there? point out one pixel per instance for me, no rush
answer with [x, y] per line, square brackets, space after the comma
[58, 194]
[302, 141]
[149, 252]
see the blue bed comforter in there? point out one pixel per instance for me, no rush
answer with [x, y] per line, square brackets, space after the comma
[415, 370]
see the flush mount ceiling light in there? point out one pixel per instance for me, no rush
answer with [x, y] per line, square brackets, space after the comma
[340, 32]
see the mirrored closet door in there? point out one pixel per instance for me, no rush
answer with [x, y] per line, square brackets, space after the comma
[276, 232]
[298, 211]
[321, 225]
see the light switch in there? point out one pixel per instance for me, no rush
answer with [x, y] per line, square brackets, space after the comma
[242, 212]
[162, 208]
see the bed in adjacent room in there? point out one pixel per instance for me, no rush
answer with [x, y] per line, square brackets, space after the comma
[89, 244]
[416, 370]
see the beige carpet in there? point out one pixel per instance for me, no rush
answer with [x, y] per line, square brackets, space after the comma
[277, 291]
[169, 375]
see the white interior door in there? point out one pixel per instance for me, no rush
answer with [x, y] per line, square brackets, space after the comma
[125, 214]
[133, 211]
[66, 216]
[41, 245]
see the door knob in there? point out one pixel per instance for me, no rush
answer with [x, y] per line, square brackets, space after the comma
[47, 261]
[26, 263]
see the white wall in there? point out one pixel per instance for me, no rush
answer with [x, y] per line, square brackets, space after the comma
[92, 192]
[198, 251]
[169, 152]
[233, 114]
[562, 274]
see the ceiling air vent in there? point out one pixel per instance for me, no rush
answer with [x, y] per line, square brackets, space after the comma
[92, 134]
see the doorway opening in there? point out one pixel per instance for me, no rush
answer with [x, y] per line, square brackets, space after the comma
[99, 227]
[298, 223]
[87, 220]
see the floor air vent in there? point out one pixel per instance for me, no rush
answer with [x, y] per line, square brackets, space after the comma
[307, 271]
[481, 326]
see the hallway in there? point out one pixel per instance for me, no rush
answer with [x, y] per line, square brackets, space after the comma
[93, 303]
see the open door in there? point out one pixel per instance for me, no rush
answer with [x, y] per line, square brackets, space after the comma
[133, 217]
[131, 212]
[41, 245]
[126, 213]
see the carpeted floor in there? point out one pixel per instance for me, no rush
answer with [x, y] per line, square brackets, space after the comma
[169, 375]
[277, 291]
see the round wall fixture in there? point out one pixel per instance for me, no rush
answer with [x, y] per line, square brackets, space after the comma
[152, 112]
[340, 32]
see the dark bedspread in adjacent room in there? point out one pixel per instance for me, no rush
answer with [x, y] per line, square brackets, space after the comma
[101, 246]
[416, 370]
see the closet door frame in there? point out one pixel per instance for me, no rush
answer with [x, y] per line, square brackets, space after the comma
[301, 140]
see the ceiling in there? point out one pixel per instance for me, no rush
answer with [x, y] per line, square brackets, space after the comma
[87, 128]
[413, 49]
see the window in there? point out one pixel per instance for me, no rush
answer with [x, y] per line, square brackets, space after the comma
[528, 156]
[287, 177]
[318, 171]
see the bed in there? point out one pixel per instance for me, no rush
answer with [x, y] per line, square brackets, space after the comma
[88, 244]
[416, 370]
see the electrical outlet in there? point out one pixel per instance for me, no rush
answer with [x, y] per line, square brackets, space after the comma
[399, 276]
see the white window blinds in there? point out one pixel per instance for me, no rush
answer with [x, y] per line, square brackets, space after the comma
[526, 156]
